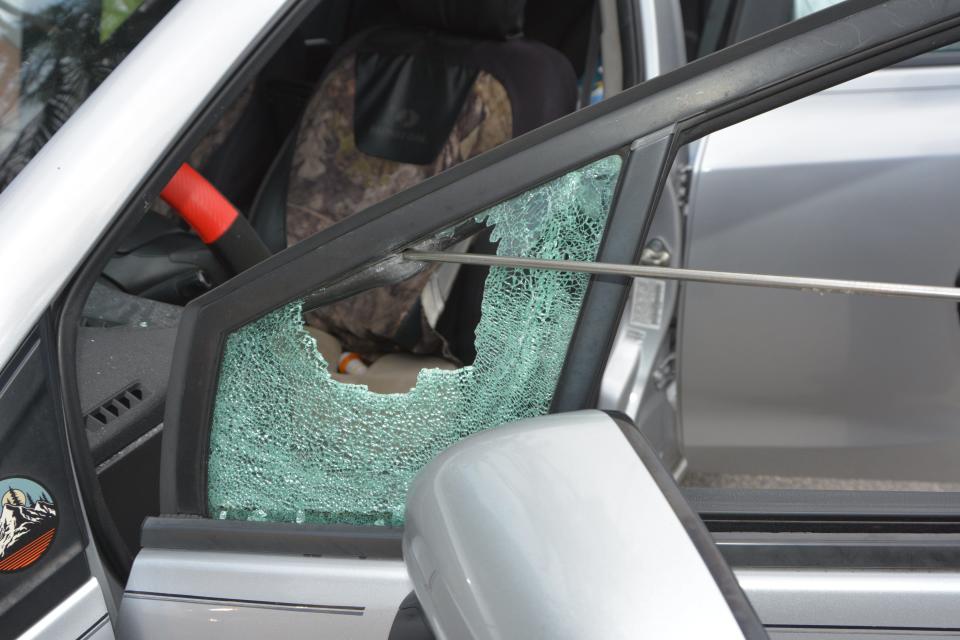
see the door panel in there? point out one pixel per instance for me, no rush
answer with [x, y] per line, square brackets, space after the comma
[201, 594]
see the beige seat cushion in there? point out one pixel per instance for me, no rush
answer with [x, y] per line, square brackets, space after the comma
[390, 373]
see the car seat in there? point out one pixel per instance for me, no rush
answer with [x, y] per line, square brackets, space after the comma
[397, 105]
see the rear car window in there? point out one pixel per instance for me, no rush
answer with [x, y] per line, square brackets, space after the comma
[53, 54]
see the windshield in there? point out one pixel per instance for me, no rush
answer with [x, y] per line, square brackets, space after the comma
[53, 54]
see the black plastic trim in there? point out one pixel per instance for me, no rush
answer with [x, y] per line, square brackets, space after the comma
[630, 217]
[351, 610]
[708, 94]
[35, 446]
[592, 59]
[907, 506]
[203, 534]
[722, 574]
[267, 213]
[883, 633]
[631, 42]
[410, 622]
[746, 511]
[101, 622]
[239, 247]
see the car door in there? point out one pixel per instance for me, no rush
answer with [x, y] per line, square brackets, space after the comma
[285, 487]
[799, 191]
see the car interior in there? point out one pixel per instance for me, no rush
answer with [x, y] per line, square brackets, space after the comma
[364, 100]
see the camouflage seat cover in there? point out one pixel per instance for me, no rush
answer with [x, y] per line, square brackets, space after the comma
[331, 179]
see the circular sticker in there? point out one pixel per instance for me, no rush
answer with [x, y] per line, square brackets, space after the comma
[28, 522]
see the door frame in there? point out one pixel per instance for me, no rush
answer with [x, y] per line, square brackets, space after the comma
[655, 119]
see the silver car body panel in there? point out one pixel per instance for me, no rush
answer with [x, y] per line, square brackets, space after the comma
[209, 595]
[859, 182]
[661, 24]
[641, 338]
[200, 594]
[83, 614]
[63, 200]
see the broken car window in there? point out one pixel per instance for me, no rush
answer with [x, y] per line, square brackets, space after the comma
[290, 442]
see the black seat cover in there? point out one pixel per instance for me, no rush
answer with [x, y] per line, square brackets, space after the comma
[399, 104]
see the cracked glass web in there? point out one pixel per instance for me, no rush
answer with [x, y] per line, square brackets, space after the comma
[290, 443]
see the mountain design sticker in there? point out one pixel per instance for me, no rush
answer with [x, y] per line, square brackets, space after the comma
[28, 522]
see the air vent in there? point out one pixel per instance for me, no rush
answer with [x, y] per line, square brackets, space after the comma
[114, 407]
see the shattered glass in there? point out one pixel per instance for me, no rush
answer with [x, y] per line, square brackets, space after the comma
[290, 443]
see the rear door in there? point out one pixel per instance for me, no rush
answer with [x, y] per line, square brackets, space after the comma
[848, 183]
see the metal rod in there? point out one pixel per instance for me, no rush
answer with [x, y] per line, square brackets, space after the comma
[816, 285]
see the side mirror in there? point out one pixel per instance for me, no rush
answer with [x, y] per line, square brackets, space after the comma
[565, 526]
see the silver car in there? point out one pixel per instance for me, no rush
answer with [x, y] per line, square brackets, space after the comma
[304, 489]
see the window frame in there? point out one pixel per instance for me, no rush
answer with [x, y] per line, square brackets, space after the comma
[650, 119]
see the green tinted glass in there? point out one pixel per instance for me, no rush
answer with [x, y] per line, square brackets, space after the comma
[290, 443]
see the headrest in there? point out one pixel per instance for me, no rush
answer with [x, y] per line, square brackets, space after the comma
[492, 19]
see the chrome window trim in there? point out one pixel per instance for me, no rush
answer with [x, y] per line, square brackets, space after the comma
[868, 599]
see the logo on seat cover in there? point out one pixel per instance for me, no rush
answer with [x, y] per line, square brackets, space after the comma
[406, 118]
[28, 522]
